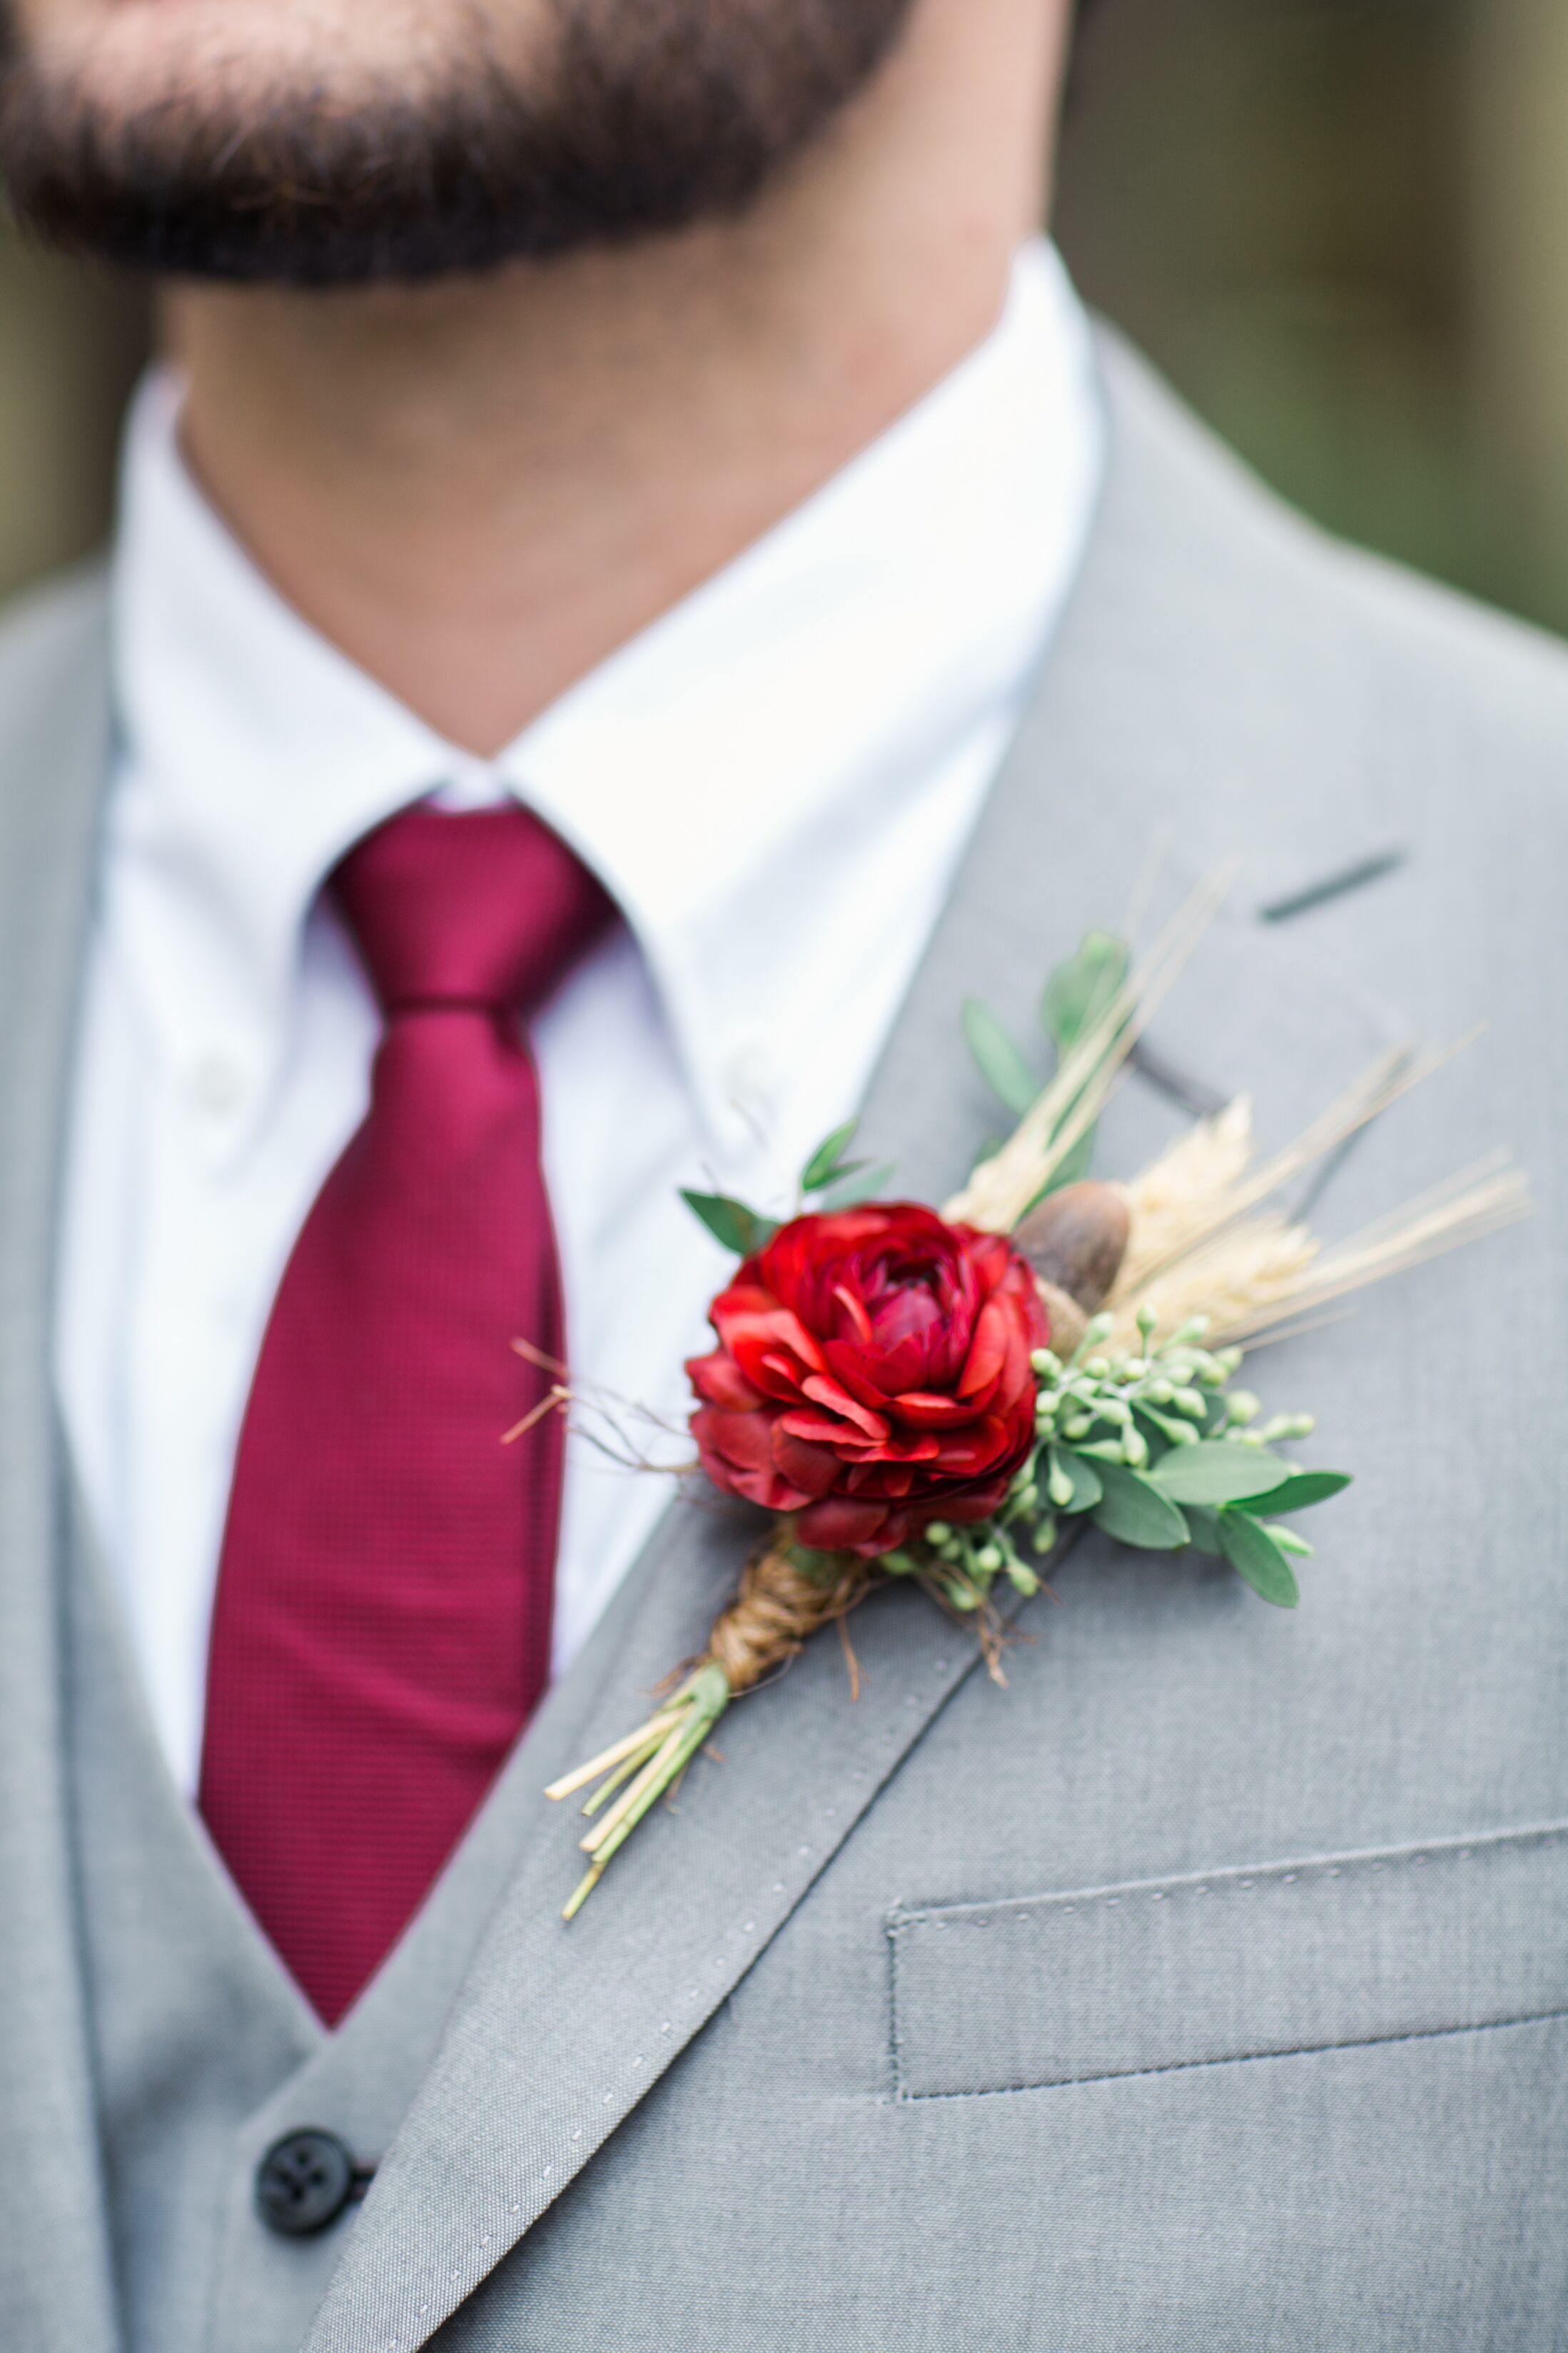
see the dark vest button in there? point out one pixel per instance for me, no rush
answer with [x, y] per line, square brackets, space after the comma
[303, 2182]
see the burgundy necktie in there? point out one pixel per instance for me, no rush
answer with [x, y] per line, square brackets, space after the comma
[381, 1628]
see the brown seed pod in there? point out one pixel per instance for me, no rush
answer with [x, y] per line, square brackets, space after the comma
[1076, 1240]
[1069, 1321]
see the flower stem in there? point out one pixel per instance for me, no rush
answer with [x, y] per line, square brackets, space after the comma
[650, 1761]
[648, 1782]
[657, 1726]
[633, 1764]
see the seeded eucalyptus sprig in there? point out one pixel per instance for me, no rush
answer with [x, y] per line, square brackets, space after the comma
[1156, 1448]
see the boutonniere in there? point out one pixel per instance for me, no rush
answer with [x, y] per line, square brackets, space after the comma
[934, 1397]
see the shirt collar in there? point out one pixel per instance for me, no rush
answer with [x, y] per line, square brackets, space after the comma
[779, 725]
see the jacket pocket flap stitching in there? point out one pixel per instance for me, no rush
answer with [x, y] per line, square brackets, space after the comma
[1234, 1964]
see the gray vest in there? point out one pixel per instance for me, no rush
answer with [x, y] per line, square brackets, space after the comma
[1208, 1985]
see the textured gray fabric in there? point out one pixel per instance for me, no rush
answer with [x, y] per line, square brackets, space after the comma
[194, 2022]
[1330, 2110]
[55, 2284]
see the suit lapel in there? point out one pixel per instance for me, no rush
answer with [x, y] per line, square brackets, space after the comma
[560, 2032]
[1164, 741]
[54, 2281]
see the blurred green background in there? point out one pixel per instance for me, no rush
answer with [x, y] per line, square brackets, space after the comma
[1340, 226]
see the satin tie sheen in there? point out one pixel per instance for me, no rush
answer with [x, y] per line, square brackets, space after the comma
[381, 1628]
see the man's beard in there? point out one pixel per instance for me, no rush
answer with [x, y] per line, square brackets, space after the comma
[632, 117]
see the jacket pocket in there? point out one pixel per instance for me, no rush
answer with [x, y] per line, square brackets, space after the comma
[1245, 1964]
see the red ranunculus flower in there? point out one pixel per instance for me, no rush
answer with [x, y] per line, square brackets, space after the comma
[872, 1374]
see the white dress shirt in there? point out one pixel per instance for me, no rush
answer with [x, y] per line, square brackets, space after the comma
[775, 782]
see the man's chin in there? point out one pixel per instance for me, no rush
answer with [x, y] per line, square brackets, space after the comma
[130, 61]
[321, 143]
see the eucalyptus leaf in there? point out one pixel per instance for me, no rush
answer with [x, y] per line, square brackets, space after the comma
[1301, 1489]
[851, 1191]
[731, 1222]
[826, 1161]
[1087, 1484]
[1256, 1557]
[1162, 1426]
[1218, 1471]
[1203, 1525]
[998, 1060]
[1080, 991]
[1133, 1511]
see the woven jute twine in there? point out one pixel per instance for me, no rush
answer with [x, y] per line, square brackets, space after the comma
[780, 1605]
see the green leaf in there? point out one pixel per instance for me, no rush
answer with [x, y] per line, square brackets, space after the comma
[1256, 1557]
[849, 1193]
[1072, 1165]
[1216, 1470]
[1204, 1528]
[998, 1060]
[1087, 1484]
[1162, 1427]
[1135, 1512]
[1287, 1539]
[1303, 1488]
[1081, 990]
[826, 1161]
[731, 1222]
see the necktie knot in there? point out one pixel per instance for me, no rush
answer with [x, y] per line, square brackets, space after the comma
[483, 908]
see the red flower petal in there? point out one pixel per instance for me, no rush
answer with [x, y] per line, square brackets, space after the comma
[837, 1400]
[854, 1308]
[719, 1379]
[813, 1468]
[724, 1442]
[928, 1412]
[839, 1525]
[988, 1351]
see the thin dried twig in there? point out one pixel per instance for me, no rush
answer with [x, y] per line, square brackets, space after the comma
[1202, 1243]
[1002, 1188]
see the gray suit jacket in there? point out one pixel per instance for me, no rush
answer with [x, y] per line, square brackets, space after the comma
[1208, 1986]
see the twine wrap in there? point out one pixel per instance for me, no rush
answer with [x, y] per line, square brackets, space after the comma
[780, 1605]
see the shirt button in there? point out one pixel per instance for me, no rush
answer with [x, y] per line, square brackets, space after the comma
[216, 1086]
[304, 2181]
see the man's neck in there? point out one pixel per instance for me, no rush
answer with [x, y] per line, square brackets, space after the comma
[479, 489]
